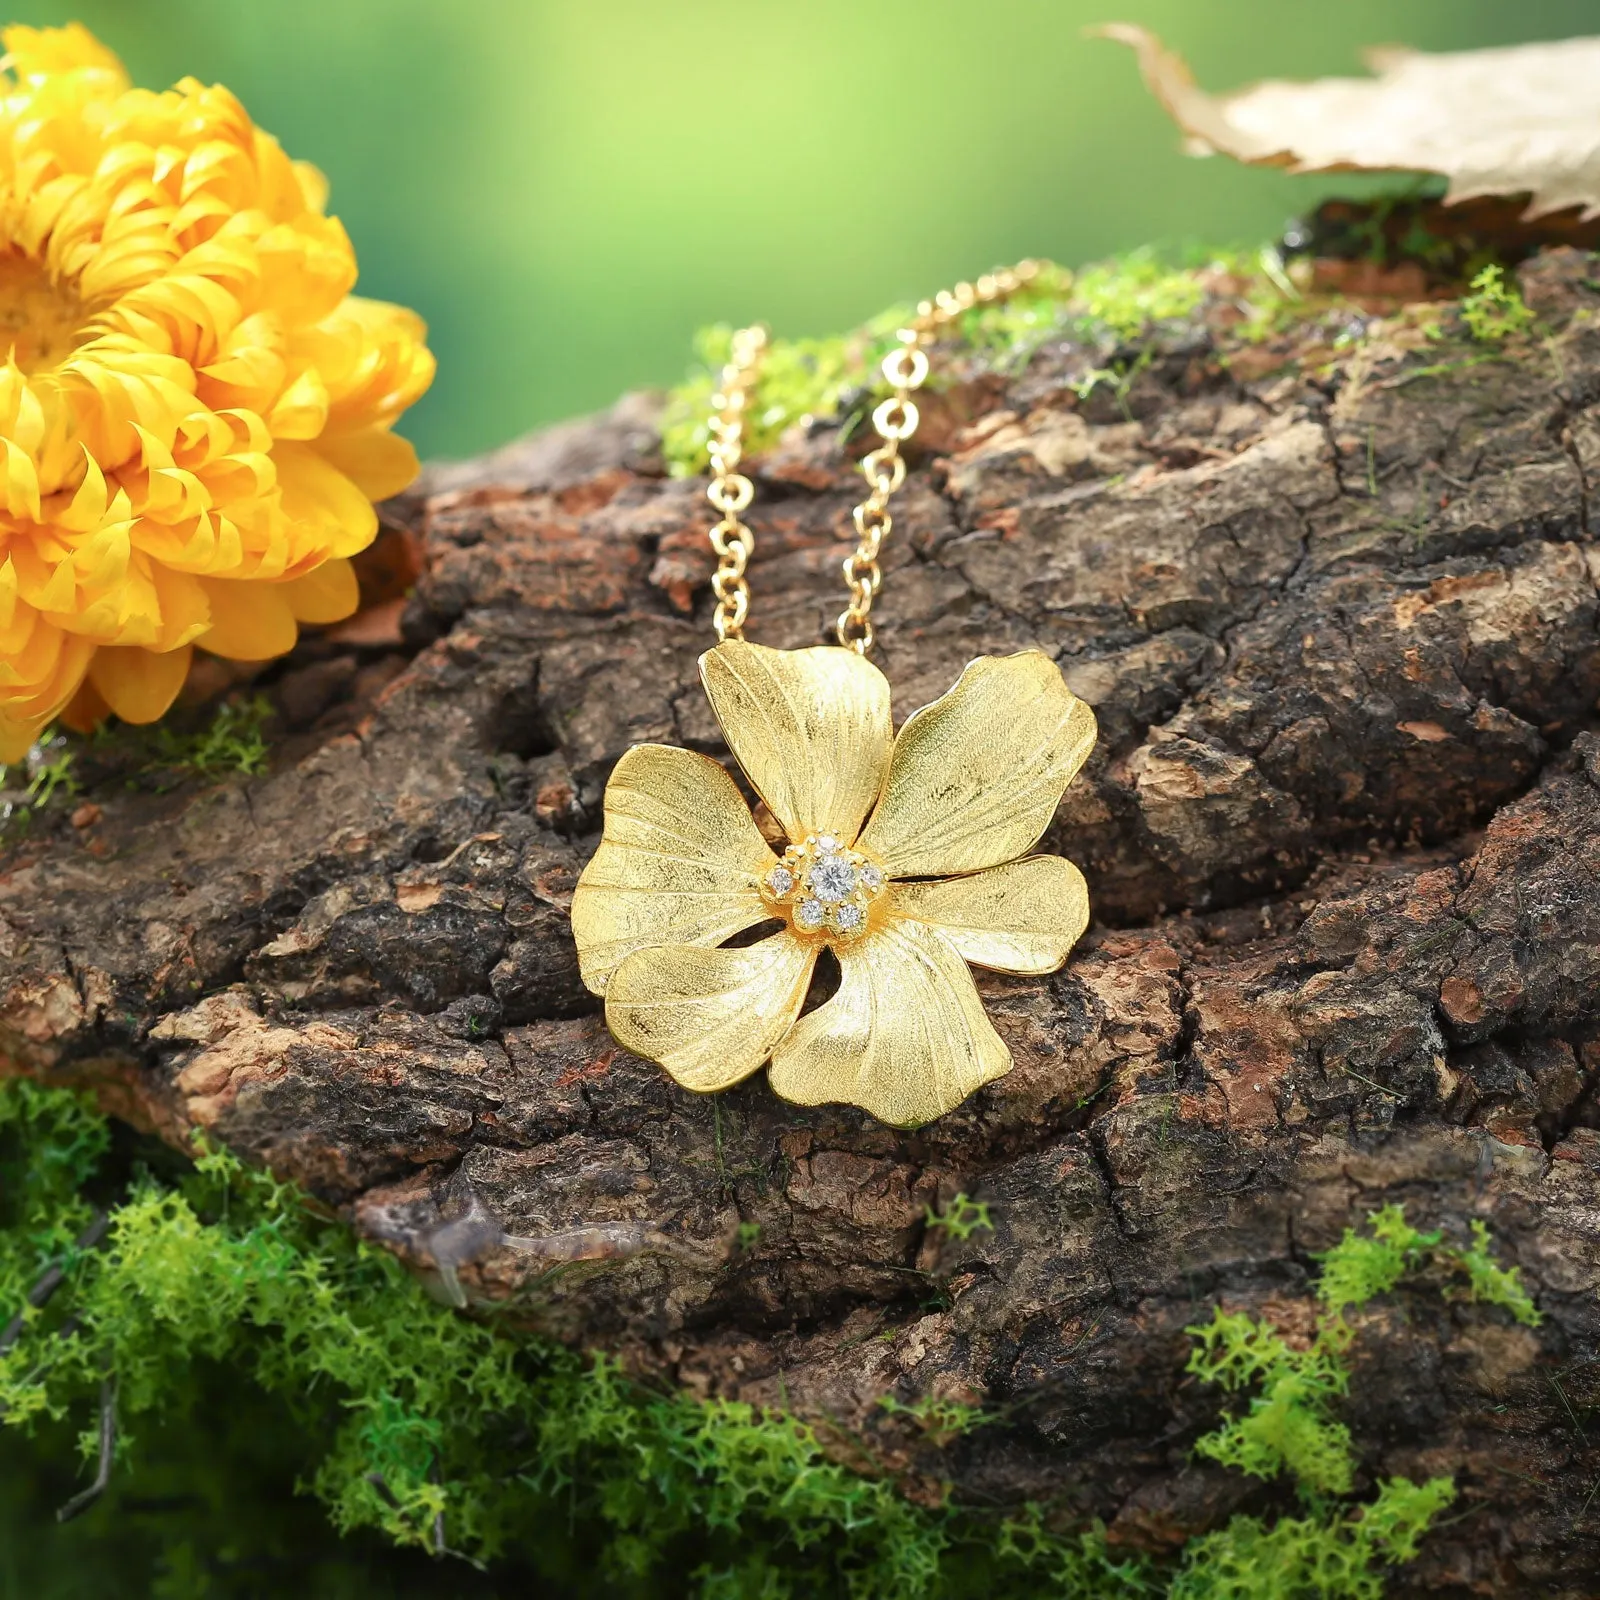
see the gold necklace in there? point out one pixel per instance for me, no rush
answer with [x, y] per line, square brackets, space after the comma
[907, 855]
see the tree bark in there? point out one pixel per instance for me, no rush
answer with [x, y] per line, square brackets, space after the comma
[1336, 608]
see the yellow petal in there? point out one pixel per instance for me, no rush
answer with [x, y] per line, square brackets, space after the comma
[324, 503]
[39, 52]
[680, 862]
[1024, 916]
[976, 777]
[377, 462]
[710, 1017]
[51, 668]
[17, 738]
[810, 728]
[137, 684]
[905, 1038]
[301, 411]
[185, 610]
[249, 621]
[313, 185]
[84, 712]
[328, 593]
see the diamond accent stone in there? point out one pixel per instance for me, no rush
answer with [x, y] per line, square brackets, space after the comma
[825, 887]
[832, 879]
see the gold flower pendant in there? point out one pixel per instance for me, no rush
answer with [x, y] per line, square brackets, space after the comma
[907, 858]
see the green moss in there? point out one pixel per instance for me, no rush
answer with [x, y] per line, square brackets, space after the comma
[962, 1218]
[1494, 311]
[1491, 1283]
[233, 741]
[445, 1434]
[1130, 292]
[56, 1144]
[1288, 1426]
[51, 776]
[799, 378]
[1361, 1267]
[424, 1425]
[50, 770]
[1116, 301]
[940, 1420]
[1081, 1568]
[1118, 378]
[1312, 1558]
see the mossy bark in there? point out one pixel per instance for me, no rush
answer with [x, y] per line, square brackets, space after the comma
[1335, 602]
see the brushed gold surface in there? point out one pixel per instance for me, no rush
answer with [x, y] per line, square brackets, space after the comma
[967, 788]
[811, 729]
[905, 1038]
[680, 862]
[976, 776]
[710, 1017]
[1024, 916]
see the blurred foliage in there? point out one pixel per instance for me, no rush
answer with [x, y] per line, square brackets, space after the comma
[568, 192]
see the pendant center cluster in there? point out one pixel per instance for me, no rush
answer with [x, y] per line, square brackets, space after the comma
[825, 888]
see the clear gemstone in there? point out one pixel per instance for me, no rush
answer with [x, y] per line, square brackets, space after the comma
[780, 880]
[832, 879]
[809, 913]
[849, 917]
[871, 878]
[827, 842]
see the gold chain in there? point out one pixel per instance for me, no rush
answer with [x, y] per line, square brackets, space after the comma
[730, 491]
[906, 369]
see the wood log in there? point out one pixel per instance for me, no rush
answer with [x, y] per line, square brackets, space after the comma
[1335, 598]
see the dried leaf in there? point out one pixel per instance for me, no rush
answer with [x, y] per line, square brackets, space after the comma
[1512, 121]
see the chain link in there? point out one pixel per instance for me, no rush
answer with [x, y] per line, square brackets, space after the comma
[905, 369]
[731, 491]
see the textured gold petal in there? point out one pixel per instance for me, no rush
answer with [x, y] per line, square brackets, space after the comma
[811, 729]
[710, 1017]
[976, 777]
[905, 1038]
[680, 861]
[1024, 916]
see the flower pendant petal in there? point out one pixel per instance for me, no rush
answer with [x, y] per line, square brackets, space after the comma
[710, 1017]
[681, 862]
[976, 777]
[903, 861]
[1024, 916]
[905, 1038]
[810, 728]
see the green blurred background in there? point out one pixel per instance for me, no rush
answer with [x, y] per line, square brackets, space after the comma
[566, 191]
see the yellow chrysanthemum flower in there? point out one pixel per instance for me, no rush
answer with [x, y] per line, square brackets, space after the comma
[195, 411]
[908, 858]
